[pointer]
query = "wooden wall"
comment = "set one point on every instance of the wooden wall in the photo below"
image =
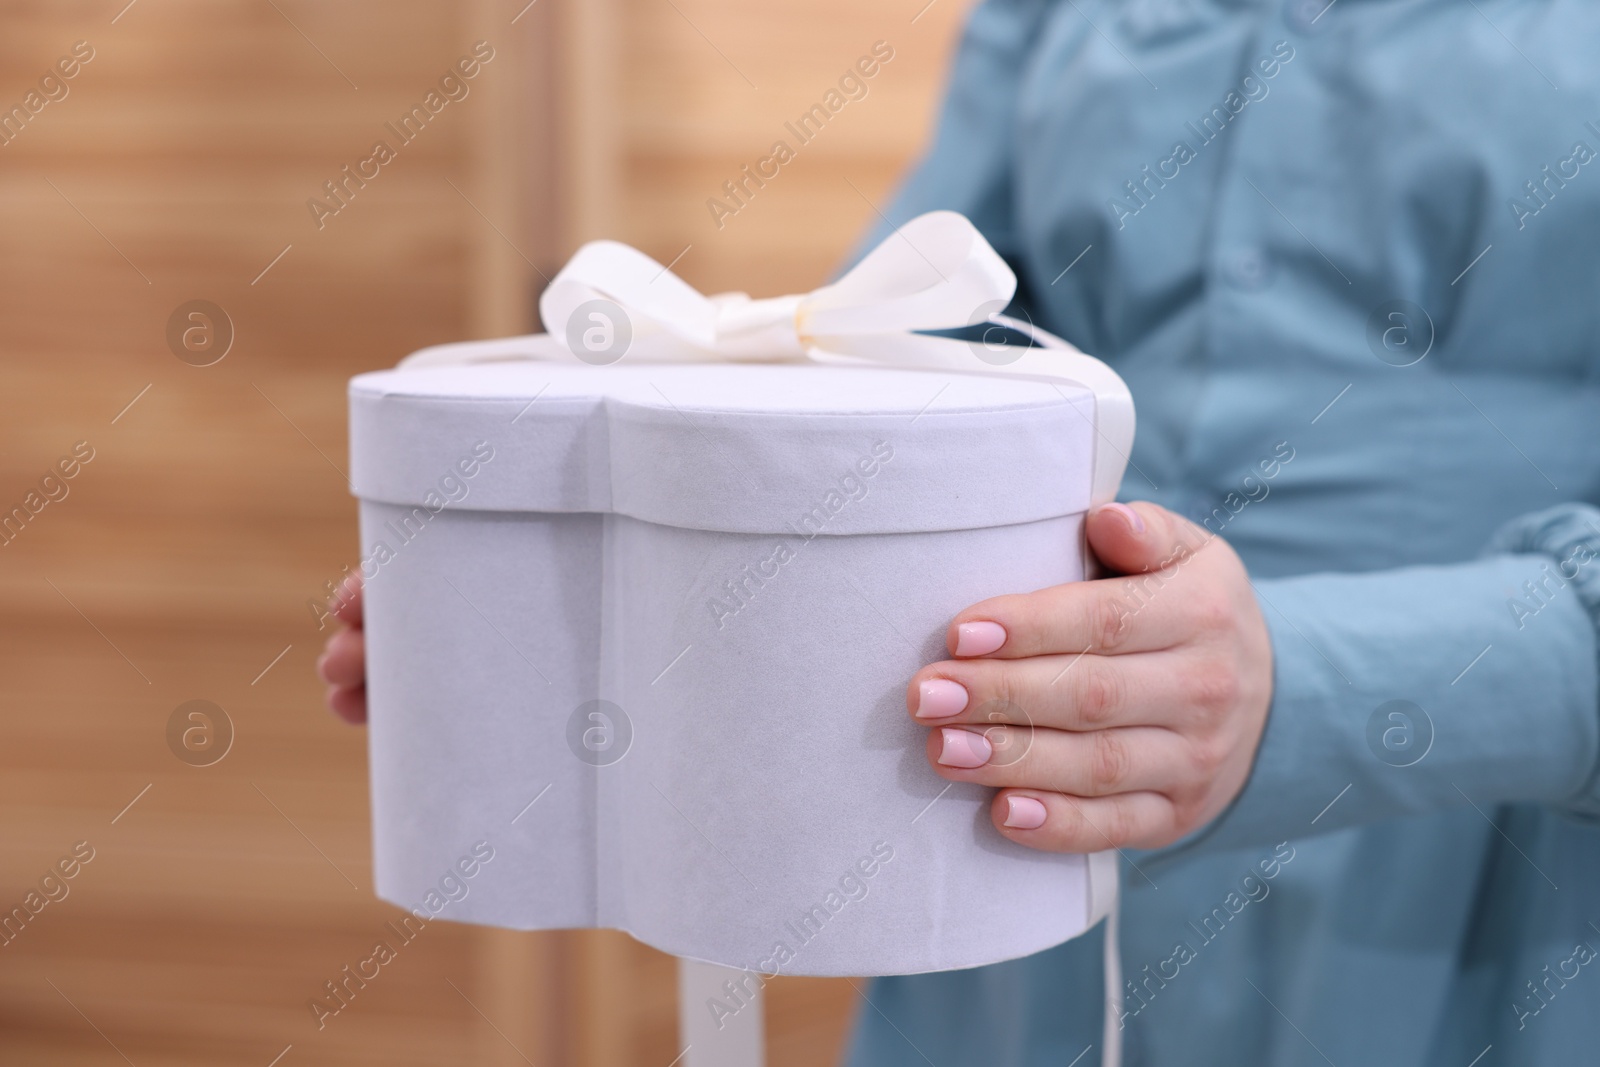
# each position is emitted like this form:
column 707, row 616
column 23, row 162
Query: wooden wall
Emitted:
column 178, row 566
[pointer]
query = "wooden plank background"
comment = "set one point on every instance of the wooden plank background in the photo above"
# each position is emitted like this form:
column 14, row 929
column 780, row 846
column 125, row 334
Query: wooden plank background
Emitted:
column 179, row 564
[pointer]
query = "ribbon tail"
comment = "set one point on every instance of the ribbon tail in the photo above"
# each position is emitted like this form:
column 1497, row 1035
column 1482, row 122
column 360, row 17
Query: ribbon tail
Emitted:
column 1052, row 360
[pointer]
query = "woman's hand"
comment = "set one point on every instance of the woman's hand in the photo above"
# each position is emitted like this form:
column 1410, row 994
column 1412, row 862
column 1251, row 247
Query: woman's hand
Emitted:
column 1119, row 712
column 344, row 662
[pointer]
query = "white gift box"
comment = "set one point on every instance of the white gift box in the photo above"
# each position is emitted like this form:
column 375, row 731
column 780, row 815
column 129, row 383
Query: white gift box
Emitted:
column 641, row 633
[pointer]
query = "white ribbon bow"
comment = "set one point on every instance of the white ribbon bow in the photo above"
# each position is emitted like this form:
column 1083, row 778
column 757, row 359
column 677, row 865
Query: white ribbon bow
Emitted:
column 934, row 273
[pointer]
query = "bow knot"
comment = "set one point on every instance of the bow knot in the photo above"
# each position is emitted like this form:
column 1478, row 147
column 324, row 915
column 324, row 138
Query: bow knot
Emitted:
column 760, row 329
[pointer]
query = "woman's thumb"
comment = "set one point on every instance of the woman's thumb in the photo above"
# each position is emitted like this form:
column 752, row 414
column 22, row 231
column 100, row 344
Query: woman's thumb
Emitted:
column 1140, row 537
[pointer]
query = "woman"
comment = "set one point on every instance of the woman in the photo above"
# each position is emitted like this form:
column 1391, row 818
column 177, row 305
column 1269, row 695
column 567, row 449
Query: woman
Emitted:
column 1344, row 255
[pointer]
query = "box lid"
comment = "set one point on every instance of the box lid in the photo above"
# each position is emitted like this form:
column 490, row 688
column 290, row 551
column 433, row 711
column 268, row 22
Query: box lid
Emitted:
column 741, row 448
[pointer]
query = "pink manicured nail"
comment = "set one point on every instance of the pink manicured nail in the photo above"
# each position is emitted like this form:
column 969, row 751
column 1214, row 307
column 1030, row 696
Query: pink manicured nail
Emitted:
column 979, row 638
column 964, row 748
column 1128, row 513
column 940, row 698
column 1024, row 813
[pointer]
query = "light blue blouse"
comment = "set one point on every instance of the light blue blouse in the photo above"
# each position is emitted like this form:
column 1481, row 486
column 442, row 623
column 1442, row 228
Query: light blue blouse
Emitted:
column 1356, row 245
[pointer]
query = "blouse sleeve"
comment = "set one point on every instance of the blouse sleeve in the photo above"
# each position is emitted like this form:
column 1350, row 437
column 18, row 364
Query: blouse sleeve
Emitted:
column 1411, row 691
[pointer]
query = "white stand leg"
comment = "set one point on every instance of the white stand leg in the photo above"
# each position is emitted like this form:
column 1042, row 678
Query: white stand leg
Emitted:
column 715, row 1038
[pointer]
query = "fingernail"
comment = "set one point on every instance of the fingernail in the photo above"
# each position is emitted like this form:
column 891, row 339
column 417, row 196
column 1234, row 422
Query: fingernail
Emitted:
column 940, row 698
column 964, row 748
column 1128, row 513
column 322, row 668
column 979, row 638
column 1024, row 813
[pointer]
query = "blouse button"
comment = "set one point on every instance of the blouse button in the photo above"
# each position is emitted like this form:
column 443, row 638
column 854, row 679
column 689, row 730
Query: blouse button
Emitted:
column 1249, row 269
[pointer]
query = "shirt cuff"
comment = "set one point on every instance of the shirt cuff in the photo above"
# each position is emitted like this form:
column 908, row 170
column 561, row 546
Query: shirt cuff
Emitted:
column 1411, row 691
